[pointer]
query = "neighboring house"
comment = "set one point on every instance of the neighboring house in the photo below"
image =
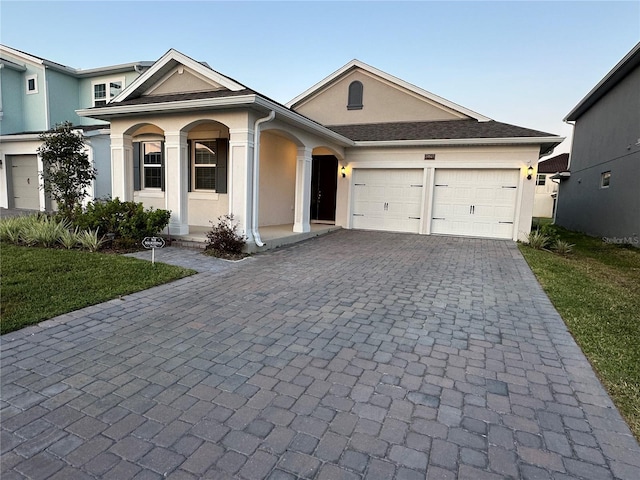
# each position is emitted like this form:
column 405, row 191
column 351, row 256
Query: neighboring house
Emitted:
column 35, row 95
column 544, row 203
column 361, row 149
column 601, row 196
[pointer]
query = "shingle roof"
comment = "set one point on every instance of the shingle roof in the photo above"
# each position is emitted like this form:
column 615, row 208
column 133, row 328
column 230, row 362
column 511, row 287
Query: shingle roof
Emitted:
column 179, row 97
column 448, row 129
column 556, row 164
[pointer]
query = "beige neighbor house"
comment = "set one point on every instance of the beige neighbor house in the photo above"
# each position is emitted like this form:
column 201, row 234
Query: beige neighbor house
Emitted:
column 547, row 184
column 361, row 149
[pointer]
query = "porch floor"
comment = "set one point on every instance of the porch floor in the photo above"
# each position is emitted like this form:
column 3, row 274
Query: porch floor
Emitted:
column 273, row 236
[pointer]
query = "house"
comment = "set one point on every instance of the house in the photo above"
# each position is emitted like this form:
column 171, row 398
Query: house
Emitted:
column 35, row 95
column 544, row 203
column 360, row 149
column 600, row 195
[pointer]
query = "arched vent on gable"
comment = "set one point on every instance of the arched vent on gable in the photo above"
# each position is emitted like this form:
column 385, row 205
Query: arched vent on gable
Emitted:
column 355, row 96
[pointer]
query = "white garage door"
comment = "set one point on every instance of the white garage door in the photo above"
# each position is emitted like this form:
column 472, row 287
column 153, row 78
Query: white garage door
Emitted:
column 479, row 203
column 387, row 199
column 24, row 182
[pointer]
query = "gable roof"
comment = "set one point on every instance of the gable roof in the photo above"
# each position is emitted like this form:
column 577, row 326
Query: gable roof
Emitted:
column 78, row 73
column 164, row 65
column 559, row 163
column 358, row 65
column 611, row 79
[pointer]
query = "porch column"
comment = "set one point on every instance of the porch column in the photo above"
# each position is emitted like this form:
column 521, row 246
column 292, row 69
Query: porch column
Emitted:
column 177, row 181
column 303, row 190
column 239, row 186
column 121, row 167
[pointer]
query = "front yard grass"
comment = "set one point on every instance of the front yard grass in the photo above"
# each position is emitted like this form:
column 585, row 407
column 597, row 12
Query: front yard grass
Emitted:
column 39, row 283
column 596, row 290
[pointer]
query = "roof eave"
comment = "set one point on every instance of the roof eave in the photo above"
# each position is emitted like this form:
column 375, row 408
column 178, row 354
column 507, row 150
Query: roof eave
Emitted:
column 611, row 79
column 448, row 142
column 107, row 112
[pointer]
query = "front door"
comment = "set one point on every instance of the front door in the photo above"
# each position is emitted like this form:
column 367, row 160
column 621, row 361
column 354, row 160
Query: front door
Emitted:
column 324, row 181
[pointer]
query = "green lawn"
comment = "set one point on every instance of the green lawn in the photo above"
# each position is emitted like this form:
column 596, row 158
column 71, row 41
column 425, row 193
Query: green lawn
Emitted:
column 596, row 290
column 39, row 283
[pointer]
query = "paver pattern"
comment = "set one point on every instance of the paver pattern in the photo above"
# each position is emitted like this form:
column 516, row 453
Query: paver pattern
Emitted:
column 351, row 356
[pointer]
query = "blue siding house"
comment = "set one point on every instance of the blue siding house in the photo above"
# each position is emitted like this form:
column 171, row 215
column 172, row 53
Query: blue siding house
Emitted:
column 35, row 95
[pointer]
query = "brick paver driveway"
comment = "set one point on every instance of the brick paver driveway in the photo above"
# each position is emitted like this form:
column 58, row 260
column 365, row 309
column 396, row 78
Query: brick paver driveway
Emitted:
column 355, row 355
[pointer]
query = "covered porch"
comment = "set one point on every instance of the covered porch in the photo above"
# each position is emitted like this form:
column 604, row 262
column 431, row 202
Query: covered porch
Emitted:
column 273, row 236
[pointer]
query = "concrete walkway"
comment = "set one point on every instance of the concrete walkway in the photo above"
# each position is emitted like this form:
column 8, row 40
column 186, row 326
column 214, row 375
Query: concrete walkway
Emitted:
column 354, row 355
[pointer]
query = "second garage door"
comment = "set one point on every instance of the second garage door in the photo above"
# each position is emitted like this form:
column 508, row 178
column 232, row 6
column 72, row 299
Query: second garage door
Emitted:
column 387, row 199
column 479, row 203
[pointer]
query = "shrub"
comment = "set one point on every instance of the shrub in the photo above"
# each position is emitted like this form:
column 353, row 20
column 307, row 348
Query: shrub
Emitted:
column 129, row 222
column 43, row 231
column 224, row 236
column 11, row 227
column 562, row 247
column 538, row 240
column 551, row 231
column 89, row 240
column 69, row 238
column 38, row 229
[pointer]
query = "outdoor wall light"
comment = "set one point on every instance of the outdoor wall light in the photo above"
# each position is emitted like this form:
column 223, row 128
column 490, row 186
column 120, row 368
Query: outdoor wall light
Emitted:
column 529, row 172
column 343, row 171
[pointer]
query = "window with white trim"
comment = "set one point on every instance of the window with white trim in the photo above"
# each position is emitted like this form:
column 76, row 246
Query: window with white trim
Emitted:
column 31, row 84
column 203, row 167
column 152, row 165
column 105, row 91
column 605, row 179
column 541, row 179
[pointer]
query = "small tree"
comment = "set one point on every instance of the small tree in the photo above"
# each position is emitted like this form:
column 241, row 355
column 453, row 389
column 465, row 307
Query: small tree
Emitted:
column 67, row 170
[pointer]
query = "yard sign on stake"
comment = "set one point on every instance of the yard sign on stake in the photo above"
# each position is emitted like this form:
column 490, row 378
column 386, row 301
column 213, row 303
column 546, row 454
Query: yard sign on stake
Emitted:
column 153, row 243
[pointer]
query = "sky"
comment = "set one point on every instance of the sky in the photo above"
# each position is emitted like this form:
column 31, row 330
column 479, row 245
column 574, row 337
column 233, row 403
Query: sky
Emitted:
column 527, row 63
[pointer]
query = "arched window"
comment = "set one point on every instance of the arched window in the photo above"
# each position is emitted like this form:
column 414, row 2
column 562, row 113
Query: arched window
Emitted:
column 355, row 96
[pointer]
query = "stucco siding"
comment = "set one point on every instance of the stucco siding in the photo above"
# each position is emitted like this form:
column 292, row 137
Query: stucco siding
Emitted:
column 12, row 93
column 63, row 98
column 34, row 109
column 277, row 180
column 205, row 208
column 382, row 102
column 101, row 155
column 184, row 82
column 606, row 138
column 603, row 212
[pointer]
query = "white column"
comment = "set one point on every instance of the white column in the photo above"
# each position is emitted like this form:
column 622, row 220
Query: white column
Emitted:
column 176, row 168
column 240, row 169
column 121, row 167
column 303, row 190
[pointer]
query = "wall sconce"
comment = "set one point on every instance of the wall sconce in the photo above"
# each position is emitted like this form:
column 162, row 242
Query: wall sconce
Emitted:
column 529, row 172
column 343, row 171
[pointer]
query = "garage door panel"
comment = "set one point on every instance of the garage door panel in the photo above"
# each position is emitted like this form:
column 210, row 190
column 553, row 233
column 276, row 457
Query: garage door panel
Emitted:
column 25, row 182
column 387, row 199
column 475, row 202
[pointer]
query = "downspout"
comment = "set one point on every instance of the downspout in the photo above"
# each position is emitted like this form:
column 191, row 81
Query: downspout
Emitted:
column 256, row 176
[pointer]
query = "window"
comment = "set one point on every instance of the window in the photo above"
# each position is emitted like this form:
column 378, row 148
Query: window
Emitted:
column 355, row 96
column 105, row 91
column 208, row 165
column 152, row 165
column 605, row 178
column 541, row 179
column 32, row 84
column 204, row 165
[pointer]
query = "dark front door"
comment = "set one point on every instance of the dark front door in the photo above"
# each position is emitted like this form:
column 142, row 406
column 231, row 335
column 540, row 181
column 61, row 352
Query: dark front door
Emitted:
column 324, row 181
